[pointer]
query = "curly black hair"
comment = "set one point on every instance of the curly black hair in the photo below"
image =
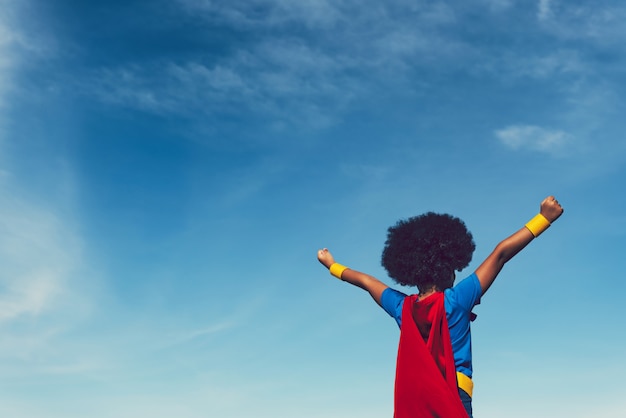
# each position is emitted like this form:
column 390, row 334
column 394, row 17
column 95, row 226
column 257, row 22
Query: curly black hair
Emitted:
column 425, row 250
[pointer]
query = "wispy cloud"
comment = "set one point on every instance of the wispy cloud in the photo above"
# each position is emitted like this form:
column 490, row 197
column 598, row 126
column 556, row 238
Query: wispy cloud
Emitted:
column 8, row 38
column 304, row 66
column 39, row 254
column 598, row 22
column 544, row 11
column 551, row 65
column 255, row 13
column 16, row 42
column 37, row 250
column 314, row 73
column 534, row 138
column 45, row 295
column 41, row 296
column 264, row 81
column 191, row 335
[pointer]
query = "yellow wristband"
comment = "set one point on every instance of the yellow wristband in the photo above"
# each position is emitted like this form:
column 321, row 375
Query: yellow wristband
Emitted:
column 337, row 269
column 538, row 224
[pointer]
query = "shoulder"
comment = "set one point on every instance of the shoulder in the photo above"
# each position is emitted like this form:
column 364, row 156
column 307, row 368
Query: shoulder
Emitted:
column 392, row 302
column 392, row 298
column 466, row 293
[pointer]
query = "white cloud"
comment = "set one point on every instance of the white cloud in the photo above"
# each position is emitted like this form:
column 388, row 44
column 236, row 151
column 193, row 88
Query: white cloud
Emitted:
column 307, row 79
column 534, row 138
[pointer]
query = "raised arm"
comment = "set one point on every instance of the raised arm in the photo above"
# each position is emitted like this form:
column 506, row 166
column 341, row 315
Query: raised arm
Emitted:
column 366, row 282
column 507, row 249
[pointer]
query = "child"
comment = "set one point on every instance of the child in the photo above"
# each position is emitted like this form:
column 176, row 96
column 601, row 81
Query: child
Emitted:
column 434, row 365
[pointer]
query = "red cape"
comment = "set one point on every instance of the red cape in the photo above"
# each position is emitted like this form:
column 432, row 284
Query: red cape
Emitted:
column 425, row 372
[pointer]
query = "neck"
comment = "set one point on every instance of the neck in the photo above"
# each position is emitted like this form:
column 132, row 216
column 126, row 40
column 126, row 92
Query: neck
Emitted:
column 427, row 293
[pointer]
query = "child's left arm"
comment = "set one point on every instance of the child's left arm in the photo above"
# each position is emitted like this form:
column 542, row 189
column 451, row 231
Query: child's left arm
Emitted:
column 366, row 282
column 490, row 268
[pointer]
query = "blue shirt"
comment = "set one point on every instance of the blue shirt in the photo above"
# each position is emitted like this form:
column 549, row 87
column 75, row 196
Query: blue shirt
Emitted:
column 458, row 301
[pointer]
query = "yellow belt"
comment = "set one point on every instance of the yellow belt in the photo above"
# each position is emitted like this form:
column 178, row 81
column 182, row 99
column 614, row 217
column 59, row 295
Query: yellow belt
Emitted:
column 465, row 383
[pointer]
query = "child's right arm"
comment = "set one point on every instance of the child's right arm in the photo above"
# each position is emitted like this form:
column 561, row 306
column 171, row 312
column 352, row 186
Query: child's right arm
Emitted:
column 507, row 249
column 366, row 282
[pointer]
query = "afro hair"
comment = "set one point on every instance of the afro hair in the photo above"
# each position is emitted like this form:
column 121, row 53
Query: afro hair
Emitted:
column 425, row 250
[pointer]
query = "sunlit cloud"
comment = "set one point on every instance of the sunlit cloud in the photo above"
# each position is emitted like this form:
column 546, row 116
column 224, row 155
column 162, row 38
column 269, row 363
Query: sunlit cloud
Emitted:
column 533, row 138
column 38, row 254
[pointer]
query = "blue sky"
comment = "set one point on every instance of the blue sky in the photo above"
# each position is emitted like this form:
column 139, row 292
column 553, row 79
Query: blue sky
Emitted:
column 168, row 170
